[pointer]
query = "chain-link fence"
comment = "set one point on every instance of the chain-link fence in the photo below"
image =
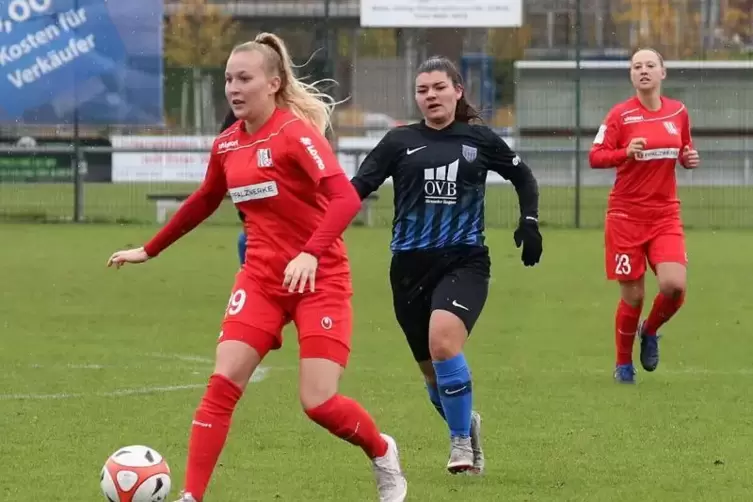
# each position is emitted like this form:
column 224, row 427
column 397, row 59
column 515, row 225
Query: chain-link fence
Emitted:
column 544, row 86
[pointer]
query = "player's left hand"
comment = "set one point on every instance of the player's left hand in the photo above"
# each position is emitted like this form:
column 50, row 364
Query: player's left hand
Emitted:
column 690, row 158
column 527, row 234
column 300, row 271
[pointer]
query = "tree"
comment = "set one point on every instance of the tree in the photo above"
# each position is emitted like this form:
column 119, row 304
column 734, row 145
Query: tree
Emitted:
column 673, row 28
column 736, row 24
column 198, row 36
column 666, row 25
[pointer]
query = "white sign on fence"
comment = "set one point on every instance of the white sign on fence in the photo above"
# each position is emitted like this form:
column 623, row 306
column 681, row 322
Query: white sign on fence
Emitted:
column 441, row 13
column 173, row 164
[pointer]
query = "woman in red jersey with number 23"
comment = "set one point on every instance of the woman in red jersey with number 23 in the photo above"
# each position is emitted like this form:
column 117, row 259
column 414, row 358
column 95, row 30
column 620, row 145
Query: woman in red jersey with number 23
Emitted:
column 296, row 200
column 644, row 138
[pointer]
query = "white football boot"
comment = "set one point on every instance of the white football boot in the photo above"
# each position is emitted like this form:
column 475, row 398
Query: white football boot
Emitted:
column 390, row 480
column 461, row 455
column 478, row 453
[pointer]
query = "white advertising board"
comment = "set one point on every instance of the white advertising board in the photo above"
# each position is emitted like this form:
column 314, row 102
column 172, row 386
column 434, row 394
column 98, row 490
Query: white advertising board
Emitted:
column 172, row 164
column 441, row 13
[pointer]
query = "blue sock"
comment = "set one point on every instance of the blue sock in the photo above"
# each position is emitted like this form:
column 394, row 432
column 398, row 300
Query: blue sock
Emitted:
column 242, row 247
column 433, row 391
column 455, row 391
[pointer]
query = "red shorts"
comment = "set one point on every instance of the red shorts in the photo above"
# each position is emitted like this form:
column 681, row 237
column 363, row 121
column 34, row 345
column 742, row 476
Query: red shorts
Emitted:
column 630, row 244
column 257, row 312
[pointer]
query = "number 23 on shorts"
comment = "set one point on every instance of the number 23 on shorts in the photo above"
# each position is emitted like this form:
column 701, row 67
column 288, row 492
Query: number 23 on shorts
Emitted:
column 625, row 266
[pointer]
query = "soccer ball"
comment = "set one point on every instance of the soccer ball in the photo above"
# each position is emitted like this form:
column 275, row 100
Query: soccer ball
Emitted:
column 135, row 474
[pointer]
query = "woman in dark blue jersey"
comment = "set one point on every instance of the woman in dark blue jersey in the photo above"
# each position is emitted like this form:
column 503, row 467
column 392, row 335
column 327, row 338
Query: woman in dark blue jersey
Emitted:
column 441, row 267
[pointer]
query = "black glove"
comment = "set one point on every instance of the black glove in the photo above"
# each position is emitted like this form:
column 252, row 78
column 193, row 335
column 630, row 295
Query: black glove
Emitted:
column 529, row 236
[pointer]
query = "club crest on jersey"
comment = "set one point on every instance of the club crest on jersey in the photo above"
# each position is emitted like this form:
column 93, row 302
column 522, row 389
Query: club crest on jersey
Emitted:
column 264, row 157
column 671, row 128
column 470, row 153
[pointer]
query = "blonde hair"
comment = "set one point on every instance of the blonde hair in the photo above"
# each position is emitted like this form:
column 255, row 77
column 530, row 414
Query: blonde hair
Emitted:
column 305, row 101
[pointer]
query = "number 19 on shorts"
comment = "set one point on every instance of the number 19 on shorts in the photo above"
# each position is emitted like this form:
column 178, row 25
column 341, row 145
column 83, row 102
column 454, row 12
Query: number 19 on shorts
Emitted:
column 236, row 302
column 622, row 264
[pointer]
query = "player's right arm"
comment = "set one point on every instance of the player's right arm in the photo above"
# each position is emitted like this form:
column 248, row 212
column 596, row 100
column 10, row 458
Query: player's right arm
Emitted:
column 198, row 207
column 605, row 152
column 376, row 167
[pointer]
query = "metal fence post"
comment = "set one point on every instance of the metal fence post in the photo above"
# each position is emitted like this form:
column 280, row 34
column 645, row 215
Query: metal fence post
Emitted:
column 578, row 125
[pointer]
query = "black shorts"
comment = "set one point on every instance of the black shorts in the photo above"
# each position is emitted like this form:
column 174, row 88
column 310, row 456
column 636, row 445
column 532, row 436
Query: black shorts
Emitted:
column 454, row 279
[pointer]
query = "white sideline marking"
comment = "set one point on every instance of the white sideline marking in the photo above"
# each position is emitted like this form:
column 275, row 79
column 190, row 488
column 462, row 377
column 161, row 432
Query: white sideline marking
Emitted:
column 259, row 375
column 183, row 357
column 608, row 371
column 113, row 393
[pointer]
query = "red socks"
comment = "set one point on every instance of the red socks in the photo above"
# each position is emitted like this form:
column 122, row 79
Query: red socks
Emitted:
column 626, row 324
column 627, row 318
column 663, row 309
column 346, row 419
column 340, row 415
column 211, row 424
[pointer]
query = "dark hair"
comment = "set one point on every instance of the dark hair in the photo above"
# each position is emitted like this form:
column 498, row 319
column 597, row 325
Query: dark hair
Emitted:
column 465, row 112
column 228, row 121
column 639, row 49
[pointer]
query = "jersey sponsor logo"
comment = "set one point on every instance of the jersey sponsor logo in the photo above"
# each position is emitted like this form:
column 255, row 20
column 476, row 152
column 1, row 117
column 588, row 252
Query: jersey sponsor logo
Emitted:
column 632, row 119
column 312, row 151
column 264, row 157
column 440, row 184
column 470, row 153
column 658, row 154
column 226, row 145
column 411, row 151
column 254, row 192
column 671, row 128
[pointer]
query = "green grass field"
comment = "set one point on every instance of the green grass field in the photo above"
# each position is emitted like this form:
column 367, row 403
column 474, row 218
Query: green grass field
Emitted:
column 94, row 359
column 703, row 207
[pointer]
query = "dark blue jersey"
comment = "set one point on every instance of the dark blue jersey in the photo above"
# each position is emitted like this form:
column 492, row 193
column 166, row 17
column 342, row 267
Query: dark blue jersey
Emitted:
column 439, row 179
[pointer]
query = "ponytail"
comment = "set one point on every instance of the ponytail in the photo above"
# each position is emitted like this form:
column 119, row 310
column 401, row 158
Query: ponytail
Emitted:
column 304, row 100
column 466, row 112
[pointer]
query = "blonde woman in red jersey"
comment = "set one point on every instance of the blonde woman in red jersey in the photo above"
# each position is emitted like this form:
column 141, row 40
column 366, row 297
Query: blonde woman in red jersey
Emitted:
column 644, row 138
column 296, row 201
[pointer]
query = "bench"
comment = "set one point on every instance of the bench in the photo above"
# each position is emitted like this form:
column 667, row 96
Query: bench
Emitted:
column 166, row 203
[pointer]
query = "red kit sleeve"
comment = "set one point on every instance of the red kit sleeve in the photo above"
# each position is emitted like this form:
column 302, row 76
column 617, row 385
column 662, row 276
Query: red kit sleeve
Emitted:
column 605, row 152
column 198, row 207
column 344, row 204
column 687, row 138
column 313, row 154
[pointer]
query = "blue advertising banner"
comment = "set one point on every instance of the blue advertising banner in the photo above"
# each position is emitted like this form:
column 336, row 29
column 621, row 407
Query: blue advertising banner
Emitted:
column 102, row 58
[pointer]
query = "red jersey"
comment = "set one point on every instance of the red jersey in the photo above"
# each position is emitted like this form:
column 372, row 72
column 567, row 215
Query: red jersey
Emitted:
column 646, row 186
column 292, row 192
column 272, row 177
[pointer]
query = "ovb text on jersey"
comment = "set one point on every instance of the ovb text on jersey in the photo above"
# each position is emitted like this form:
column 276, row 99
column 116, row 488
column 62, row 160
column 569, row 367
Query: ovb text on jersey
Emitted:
column 440, row 183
